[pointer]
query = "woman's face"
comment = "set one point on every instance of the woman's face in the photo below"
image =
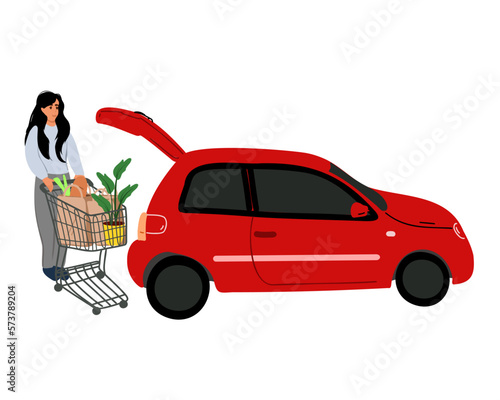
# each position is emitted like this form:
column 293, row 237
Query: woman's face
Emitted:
column 51, row 111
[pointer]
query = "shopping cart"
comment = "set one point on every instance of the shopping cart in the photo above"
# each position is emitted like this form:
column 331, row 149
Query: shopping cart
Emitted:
column 79, row 230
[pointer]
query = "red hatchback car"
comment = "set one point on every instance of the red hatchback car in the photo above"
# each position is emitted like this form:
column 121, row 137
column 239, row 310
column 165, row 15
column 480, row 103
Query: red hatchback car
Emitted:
column 254, row 220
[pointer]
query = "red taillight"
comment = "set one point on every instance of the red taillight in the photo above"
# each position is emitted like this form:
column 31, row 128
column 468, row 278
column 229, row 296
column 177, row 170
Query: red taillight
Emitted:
column 151, row 224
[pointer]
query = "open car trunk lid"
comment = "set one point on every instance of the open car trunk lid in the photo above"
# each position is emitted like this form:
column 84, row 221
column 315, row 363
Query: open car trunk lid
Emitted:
column 139, row 124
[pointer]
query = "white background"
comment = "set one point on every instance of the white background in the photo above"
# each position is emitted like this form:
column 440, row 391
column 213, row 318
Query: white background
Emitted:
column 223, row 71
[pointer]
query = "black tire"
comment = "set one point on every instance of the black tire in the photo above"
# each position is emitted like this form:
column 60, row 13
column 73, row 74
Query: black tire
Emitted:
column 178, row 288
column 422, row 279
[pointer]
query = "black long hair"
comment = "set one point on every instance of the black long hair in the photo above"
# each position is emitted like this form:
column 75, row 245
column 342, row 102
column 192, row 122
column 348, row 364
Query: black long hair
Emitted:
column 39, row 119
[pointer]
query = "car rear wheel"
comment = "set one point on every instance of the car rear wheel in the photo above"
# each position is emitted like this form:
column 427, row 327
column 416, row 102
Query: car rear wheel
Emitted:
column 422, row 280
column 178, row 290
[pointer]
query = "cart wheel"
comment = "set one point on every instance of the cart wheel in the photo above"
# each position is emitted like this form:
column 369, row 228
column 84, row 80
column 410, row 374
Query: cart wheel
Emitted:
column 123, row 304
column 57, row 287
column 100, row 274
column 96, row 311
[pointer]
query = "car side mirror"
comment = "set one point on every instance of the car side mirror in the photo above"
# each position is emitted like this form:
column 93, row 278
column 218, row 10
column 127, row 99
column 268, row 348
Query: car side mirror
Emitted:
column 359, row 210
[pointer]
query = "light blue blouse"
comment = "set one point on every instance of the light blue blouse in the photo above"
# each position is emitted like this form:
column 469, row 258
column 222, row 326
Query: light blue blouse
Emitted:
column 41, row 166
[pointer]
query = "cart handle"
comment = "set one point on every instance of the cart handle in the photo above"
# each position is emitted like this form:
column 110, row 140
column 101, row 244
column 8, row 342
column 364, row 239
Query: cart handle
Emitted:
column 45, row 189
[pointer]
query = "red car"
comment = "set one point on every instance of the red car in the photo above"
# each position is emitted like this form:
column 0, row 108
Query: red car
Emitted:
column 254, row 220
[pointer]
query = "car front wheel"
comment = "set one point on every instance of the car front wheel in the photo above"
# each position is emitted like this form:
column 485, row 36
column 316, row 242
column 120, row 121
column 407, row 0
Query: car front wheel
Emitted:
column 178, row 290
column 422, row 279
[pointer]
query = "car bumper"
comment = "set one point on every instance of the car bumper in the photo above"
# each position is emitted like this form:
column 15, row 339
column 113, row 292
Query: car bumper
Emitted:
column 137, row 261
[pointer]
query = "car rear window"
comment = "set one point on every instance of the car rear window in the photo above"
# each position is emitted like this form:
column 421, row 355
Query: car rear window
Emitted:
column 214, row 190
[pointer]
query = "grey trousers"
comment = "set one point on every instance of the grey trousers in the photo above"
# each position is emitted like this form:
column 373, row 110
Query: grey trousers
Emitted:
column 50, row 247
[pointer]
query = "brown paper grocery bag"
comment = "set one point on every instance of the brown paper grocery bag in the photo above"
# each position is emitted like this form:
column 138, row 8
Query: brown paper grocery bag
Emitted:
column 98, row 217
column 72, row 222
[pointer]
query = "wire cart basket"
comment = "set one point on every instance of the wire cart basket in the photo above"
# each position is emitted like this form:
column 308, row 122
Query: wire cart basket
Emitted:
column 84, row 231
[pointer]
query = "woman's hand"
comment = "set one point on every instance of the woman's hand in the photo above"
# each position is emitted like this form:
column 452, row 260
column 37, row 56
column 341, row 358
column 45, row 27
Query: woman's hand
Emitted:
column 49, row 183
column 81, row 182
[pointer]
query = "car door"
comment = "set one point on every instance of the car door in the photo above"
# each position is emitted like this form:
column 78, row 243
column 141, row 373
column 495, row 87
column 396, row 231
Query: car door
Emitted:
column 303, row 231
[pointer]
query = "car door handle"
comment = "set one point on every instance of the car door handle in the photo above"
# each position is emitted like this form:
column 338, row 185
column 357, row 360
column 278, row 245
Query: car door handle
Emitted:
column 265, row 234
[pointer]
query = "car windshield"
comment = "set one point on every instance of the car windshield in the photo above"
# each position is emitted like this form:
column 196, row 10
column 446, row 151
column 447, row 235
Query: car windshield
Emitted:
column 374, row 196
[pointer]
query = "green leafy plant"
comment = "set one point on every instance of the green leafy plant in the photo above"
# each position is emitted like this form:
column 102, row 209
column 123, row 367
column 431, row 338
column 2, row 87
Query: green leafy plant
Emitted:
column 66, row 189
column 113, row 207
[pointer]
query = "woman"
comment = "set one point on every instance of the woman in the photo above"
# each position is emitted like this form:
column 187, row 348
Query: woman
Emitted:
column 49, row 146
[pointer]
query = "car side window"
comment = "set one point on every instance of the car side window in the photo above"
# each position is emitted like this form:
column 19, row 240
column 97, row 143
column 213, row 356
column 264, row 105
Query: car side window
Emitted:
column 302, row 193
column 217, row 190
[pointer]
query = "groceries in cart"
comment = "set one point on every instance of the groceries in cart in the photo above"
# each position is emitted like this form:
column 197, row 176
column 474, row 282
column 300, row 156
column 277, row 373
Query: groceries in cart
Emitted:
column 92, row 219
